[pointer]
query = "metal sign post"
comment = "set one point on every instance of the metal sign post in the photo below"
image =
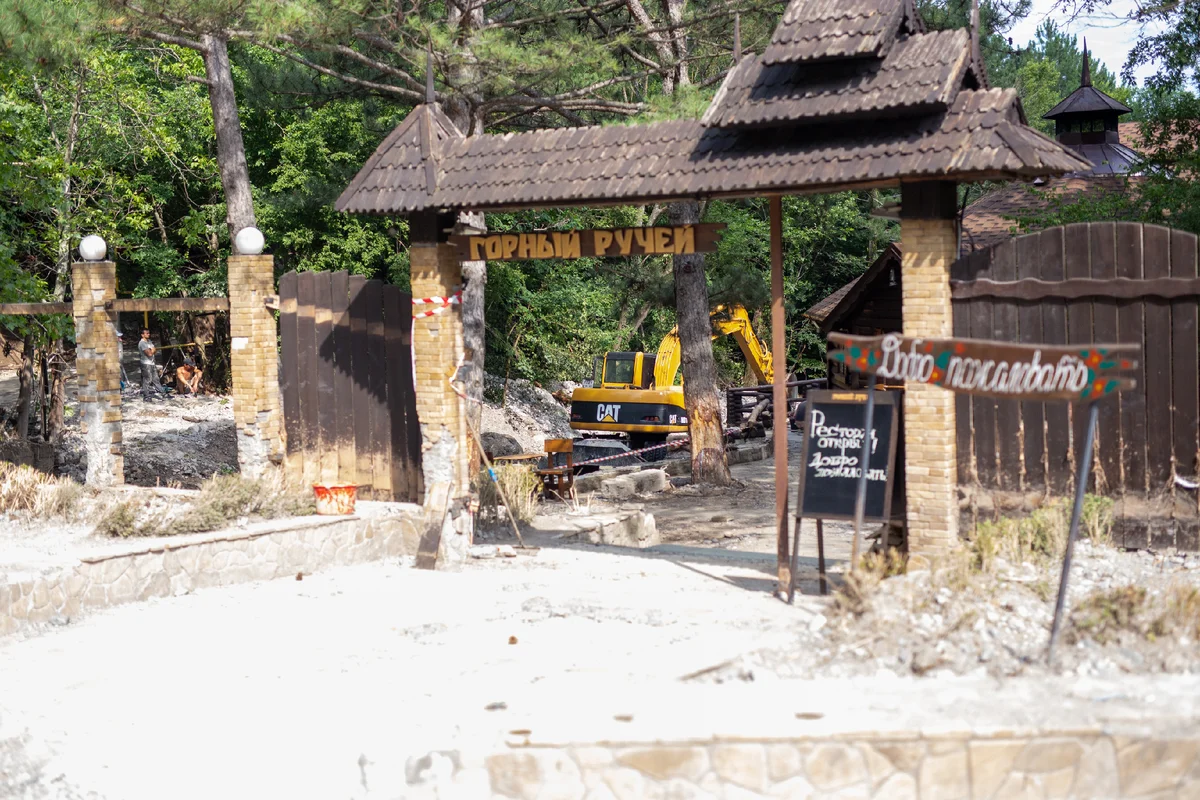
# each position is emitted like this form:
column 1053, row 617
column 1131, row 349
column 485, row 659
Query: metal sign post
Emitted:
column 864, row 462
column 1081, row 480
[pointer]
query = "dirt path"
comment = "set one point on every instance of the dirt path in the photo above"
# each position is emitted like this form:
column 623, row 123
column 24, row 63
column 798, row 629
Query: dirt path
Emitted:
column 742, row 517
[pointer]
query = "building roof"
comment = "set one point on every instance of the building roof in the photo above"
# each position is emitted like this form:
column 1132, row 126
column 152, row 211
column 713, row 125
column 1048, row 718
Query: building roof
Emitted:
column 819, row 30
column 1087, row 99
column 920, row 73
column 936, row 123
column 828, row 311
column 993, row 218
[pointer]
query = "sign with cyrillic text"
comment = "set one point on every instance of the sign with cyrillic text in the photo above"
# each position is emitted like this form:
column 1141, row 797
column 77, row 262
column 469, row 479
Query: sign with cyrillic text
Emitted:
column 992, row 369
column 663, row 240
column 833, row 441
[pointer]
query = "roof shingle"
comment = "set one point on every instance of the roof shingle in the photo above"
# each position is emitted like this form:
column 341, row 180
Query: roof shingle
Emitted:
column 920, row 73
column 816, row 30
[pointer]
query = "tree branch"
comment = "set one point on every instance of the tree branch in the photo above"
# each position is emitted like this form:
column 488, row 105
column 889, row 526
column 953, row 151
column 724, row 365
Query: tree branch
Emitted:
column 379, row 87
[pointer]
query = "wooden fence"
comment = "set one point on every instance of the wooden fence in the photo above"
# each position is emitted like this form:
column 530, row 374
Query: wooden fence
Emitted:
column 350, row 410
column 1078, row 284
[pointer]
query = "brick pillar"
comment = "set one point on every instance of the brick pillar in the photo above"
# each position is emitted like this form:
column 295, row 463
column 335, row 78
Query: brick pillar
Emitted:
column 256, row 411
column 97, row 362
column 929, row 240
column 437, row 352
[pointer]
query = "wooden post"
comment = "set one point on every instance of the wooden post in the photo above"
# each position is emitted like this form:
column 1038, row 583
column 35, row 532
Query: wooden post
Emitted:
column 779, row 420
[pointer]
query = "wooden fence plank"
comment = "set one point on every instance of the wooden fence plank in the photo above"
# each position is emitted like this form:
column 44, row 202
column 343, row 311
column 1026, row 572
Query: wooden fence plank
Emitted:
column 1185, row 378
column 962, row 402
column 289, row 376
column 20, row 309
column 343, row 378
column 983, row 409
column 397, row 315
column 177, row 304
column 361, row 403
column 1077, row 263
column 1054, row 332
column 326, row 399
column 1103, row 242
column 1029, row 319
column 1156, row 243
column 381, row 439
column 1076, row 288
column 306, row 348
column 1008, row 412
column 1131, row 329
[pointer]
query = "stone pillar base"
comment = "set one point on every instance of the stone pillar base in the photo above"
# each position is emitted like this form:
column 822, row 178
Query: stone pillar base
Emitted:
column 255, row 361
column 98, row 364
column 437, row 355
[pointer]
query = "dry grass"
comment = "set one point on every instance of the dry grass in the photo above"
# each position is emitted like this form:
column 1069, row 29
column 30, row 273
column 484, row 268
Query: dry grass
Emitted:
column 854, row 595
column 25, row 490
column 518, row 483
column 222, row 501
column 1104, row 615
column 1042, row 535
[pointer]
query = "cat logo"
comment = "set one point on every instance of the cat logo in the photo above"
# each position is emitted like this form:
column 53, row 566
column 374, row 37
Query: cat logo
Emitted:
column 674, row 419
column 607, row 413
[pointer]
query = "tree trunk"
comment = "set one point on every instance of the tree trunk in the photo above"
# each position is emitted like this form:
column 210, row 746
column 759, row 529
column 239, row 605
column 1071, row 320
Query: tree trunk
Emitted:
column 58, row 393
column 25, row 390
column 701, row 395
column 465, row 19
column 231, row 152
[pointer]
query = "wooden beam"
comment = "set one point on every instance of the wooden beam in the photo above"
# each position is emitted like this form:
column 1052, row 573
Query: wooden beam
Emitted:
column 1076, row 288
column 170, row 304
column 779, row 420
column 35, row 308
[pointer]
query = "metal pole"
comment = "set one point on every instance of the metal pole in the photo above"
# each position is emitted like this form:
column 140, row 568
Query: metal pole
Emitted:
column 779, row 422
column 864, row 462
column 1085, row 465
column 821, row 556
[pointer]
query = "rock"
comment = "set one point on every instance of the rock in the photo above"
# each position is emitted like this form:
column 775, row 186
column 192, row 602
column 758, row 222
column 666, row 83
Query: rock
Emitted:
column 506, row 551
column 621, row 487
column 497, row 444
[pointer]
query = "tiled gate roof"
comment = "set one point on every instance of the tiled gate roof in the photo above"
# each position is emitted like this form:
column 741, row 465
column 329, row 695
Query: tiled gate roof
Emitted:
column 886, row 103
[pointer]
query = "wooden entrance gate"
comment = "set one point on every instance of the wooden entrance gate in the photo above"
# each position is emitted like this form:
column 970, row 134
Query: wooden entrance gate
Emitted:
column 1078, row 284
column 350, row 410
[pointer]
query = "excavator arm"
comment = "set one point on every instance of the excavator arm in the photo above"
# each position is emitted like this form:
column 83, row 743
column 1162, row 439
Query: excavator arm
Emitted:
column 726, row 320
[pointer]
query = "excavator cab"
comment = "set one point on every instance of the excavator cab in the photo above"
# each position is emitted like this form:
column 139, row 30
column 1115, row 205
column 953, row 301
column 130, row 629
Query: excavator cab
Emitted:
column 624, row 370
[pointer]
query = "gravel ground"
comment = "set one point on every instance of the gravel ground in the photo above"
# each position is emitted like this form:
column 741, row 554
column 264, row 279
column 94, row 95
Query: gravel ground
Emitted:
column 176, row 442
column 942, row 623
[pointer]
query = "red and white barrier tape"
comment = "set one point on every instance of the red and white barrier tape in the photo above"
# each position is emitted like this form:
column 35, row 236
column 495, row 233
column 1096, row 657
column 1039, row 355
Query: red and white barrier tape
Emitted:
column 442, row 304
column 591, row 461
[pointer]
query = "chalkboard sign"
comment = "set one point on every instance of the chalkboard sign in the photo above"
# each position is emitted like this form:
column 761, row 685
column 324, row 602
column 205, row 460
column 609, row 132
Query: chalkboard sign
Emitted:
column 833, row 439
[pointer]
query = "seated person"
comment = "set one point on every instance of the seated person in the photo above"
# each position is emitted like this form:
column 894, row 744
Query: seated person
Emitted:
column 187, row 377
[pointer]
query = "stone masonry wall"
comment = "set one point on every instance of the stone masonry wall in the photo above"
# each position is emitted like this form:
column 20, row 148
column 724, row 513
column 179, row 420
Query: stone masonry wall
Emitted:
column 255, row 361
column 97, row 362
column 181, row 564
column 437, row 353
column 930, row 247
column 1040, row 764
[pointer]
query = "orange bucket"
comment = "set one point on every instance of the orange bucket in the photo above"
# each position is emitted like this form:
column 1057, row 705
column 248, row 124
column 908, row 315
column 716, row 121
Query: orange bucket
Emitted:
column 336, row 499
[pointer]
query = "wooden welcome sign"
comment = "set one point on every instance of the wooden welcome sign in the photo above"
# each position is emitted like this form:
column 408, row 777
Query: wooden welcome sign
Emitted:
column 673, row 240
column 992, row 369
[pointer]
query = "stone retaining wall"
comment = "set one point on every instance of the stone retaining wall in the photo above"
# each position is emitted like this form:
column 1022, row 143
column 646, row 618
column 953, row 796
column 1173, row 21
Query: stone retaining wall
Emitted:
column 180, row 564
column 1083, row 765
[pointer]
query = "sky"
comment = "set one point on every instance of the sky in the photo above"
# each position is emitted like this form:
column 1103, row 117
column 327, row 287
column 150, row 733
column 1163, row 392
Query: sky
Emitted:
column 1109, row 34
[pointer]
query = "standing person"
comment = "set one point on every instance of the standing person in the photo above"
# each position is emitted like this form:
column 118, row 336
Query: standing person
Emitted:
column 149, row 368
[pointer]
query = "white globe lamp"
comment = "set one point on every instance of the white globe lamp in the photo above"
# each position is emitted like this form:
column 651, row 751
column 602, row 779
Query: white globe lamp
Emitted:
column 93, row 248
column 249, row 241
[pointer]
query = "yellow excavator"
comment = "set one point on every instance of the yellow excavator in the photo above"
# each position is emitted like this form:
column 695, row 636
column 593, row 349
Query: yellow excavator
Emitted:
column 635, row 393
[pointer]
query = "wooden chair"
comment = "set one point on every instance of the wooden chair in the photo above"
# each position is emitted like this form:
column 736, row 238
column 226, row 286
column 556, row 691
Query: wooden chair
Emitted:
column 558, row 478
